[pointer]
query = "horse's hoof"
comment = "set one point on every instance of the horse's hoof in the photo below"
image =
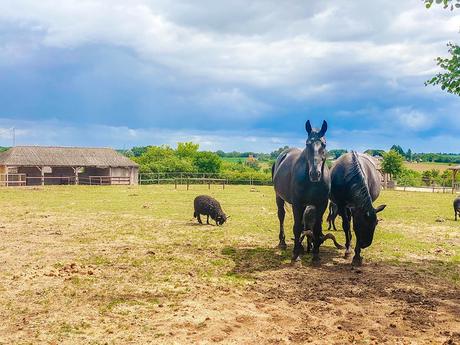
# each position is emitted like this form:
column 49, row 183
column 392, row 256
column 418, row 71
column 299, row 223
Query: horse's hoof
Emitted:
column 315, row 260
column 296, row 261
column 357, row 261
column 282, row 246
column 347, row 253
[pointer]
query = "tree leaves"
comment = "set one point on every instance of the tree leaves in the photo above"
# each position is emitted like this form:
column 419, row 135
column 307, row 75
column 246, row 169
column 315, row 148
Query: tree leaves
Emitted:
column 450, row 79
column 446, row 3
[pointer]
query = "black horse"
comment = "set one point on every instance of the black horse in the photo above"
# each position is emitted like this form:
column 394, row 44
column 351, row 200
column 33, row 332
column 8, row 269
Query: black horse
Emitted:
column 301, row 178
column 355, row 184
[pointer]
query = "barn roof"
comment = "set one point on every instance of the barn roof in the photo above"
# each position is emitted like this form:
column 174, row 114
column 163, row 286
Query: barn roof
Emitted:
column 64, row 156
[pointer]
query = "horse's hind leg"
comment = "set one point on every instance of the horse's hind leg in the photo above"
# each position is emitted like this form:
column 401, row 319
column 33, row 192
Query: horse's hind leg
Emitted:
column 344, row 213
column 329, row 219
column 281, row 214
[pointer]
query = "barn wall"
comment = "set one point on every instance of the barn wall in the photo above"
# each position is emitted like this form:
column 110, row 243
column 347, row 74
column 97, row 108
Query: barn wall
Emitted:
column 123, row 172
column 135, row 176
column 66, row 175
column 58, row 176
column 84, row 177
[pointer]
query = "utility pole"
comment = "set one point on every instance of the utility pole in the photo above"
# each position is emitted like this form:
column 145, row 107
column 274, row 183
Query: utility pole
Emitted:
column 14, row 137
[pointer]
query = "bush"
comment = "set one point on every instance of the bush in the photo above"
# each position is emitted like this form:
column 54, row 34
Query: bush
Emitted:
column 410, row 178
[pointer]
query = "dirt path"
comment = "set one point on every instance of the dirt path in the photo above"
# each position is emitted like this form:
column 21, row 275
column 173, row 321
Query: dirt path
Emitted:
column 333, row 304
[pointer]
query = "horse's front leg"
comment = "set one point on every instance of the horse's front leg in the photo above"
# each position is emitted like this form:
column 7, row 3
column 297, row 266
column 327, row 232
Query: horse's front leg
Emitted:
column 281, row 215
column 357, row 259
column 317, row 238
column 297, row 229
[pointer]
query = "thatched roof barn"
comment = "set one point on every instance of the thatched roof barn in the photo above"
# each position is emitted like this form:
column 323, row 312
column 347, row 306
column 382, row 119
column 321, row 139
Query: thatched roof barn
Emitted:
column 40, row 165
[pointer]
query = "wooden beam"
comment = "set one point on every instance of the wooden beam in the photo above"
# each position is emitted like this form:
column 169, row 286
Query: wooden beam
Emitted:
column 454, row 175
column 75, row 171
column 42, row 171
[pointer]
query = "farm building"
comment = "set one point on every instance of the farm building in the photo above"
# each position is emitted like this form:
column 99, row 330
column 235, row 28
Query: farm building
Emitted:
column 455, row 184
column 38, row 165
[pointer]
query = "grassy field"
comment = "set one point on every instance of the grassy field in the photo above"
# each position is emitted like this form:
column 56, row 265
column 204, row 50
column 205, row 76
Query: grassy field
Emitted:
column 118, row 265
column 427, row 166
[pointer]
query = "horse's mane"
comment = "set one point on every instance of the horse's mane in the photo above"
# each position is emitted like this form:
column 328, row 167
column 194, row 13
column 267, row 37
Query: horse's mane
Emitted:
column 355, row 178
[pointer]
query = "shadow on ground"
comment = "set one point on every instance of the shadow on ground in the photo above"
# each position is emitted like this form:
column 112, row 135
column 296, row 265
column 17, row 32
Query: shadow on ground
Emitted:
column 259, row 259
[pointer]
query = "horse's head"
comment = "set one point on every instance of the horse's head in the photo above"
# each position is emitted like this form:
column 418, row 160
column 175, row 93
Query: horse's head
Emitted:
column 364, row 223
column 316, row 151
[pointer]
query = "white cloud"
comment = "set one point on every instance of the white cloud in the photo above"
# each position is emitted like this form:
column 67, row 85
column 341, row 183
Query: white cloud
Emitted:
column 236, row 59
column 305, row 51
column 412, row 119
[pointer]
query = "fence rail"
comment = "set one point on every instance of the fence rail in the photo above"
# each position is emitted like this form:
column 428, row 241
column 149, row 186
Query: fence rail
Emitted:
column 196, row 178
column 24, row 180
column 428, row 189
column 12, row 180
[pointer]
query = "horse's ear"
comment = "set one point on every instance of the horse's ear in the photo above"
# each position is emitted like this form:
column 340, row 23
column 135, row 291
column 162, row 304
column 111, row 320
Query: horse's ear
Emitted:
column 380, row 208
column 323, row 129
column 308, row 127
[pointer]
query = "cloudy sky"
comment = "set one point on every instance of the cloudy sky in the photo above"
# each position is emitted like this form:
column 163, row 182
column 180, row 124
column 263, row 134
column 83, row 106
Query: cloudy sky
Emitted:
column 240, row 75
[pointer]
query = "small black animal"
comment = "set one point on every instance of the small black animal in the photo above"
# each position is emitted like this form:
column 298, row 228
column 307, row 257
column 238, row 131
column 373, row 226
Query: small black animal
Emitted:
column 333, row 213
column 308, row 221
column 457, row 207
column 209, row 207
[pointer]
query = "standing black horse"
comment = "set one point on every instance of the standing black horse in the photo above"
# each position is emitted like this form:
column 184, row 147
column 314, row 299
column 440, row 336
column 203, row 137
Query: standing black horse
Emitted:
column 355, row 184
column 301, row 178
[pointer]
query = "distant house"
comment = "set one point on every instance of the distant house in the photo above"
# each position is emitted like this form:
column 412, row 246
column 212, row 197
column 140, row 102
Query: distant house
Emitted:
column 39, row 165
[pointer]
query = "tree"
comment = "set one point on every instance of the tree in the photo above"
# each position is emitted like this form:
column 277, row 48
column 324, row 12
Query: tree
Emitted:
column 398, row 149
column 276, row 153
column 373, row 152
column 334, row 154
column 409, row 155
column 207, row 162
column 409, row 178
column 139, row 150
column 450, row 79
column 187, row 149
column 392, row 163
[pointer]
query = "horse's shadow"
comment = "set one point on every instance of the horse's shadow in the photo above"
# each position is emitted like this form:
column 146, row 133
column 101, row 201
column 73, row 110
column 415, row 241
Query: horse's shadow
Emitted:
column 258, row 259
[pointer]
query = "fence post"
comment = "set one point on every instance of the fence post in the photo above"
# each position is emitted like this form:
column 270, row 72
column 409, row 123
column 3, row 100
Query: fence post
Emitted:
column 187, row 183
column 175, row 183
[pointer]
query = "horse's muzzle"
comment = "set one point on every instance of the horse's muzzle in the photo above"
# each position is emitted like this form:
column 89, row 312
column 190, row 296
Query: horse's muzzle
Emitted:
column 315, row 176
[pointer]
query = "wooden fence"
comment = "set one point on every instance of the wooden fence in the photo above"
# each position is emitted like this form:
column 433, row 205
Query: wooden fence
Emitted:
column 24, row 180
column 13, row 180
column 195, row 178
